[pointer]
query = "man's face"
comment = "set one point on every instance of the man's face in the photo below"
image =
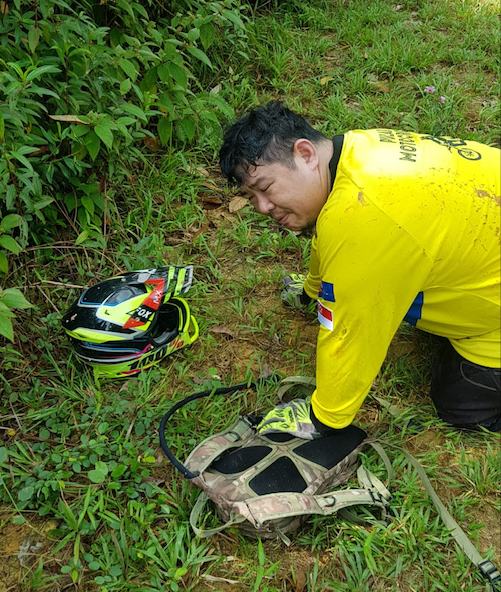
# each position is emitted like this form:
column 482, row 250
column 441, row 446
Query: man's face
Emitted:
column 291, row 196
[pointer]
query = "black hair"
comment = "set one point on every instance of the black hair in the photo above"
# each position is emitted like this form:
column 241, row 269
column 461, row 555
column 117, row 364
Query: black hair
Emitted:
column 264, row 135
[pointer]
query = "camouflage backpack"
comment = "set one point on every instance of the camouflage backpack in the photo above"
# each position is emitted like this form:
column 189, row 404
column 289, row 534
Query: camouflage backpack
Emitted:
column 267, row 486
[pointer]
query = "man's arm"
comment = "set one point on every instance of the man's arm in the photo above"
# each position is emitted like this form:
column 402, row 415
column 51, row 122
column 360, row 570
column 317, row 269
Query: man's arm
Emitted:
column 313, row 278
column 370, row 271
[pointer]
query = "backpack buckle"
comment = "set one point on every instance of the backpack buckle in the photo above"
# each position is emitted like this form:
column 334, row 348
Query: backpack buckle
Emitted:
column 490, row 572
column 380, row 500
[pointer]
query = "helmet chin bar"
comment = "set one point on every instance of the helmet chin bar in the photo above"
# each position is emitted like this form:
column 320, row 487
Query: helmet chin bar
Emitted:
column 175, row 316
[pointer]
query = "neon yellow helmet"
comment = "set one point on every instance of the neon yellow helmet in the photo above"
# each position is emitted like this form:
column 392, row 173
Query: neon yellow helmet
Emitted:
column 132, row 321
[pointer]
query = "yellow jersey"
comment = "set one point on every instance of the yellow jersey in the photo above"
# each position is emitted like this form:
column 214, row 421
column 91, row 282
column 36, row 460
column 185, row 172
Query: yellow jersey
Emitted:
column 410, row 231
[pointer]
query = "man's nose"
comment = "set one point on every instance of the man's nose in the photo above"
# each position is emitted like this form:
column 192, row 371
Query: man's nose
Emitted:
column 263, row 205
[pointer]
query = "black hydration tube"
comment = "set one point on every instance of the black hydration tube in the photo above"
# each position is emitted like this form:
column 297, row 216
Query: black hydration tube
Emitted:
column 224, row 390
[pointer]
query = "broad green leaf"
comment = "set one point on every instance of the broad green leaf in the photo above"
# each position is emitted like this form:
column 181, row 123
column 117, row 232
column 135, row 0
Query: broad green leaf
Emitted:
column 88, row 204
column 118, row 471
column 207, row 35
column 134, row 110
column 22, row 160
column 93, row 144
column 105, row 134
column 80, row 131
column 166, row 102
column 2, row 128
column 14, row 298
column 6, row 328
column 38, row 72
column 233, row 17
column 80, row 151
column 200, row 55
column 84, row 235
column 4, row 309
column 149, row 81
column 170, row 51
column 41, row 91
column 10, row 196
column 126, row 7
column 26, row 149
column 193, row 34
column 11, row 221
column 43, row 203
column 142, row 11
column 4, row 263
column 26, row 493
column 179, row 75
column 107, row 123
column 7, row 242
column 126, row 120
column 189, row 127
column 125, row 86
column 102, row 466
column 129, row 68
column 97, row 476
column 163, row 72
column 33, row 38
column 164, row 129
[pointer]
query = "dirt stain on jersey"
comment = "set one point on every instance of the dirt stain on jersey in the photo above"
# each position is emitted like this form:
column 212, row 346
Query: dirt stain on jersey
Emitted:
column 482, row 193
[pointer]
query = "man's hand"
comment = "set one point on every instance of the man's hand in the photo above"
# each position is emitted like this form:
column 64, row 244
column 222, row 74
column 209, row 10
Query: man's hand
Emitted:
column 293, row 293
column 290, row 418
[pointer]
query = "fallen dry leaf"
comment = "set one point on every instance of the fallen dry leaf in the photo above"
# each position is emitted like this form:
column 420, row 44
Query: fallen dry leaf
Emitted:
column 298, row 581
column 152, row 143
column 197, row 170
column 210, row 578
column 237, row 204
column 68, row 119
column 380, row 85
column 202, row 171
column 209, row 185
column 222, row 331
column 218, row 216
column 194, row 232
column 211, row 203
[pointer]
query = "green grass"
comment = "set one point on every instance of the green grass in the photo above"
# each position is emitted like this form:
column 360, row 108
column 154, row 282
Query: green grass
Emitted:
column 80, row 465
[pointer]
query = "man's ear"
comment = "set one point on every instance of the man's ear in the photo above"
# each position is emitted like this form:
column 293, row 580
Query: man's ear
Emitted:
column 307, row 151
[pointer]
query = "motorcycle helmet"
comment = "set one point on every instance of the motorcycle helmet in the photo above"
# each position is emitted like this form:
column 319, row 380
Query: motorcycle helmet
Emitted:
column 132, row 321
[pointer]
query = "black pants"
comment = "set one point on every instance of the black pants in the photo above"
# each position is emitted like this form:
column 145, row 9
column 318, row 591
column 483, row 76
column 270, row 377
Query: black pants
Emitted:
column 465, row 394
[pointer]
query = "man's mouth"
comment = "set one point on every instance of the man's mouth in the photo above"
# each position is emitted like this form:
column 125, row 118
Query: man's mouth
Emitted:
column 281, row 219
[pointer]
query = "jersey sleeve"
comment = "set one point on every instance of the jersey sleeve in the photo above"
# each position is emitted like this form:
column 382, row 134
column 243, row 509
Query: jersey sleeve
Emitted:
column 312, row 282
column 370, row 271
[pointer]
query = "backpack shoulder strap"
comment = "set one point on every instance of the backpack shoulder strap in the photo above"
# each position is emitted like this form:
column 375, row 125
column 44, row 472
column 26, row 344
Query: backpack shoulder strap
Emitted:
column 197, row 511
column 486, row 567
column 304, row 384
column 274, row 506
column 213, row 446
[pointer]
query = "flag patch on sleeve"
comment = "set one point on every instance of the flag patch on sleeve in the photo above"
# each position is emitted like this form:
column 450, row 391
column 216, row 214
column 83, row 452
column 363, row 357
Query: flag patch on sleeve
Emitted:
column 327, row 291
column 325, row 316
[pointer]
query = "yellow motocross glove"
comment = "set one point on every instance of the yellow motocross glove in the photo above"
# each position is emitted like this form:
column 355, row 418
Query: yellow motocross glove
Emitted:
column 293, row 293
column 291, row 418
